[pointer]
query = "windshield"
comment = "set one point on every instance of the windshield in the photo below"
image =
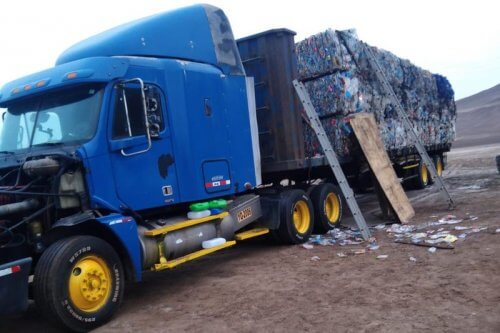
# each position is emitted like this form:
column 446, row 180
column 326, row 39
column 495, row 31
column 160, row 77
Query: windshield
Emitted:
column 67, row 116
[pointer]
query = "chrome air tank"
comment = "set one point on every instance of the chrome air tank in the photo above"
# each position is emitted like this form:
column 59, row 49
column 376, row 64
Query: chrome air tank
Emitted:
column 183, row 241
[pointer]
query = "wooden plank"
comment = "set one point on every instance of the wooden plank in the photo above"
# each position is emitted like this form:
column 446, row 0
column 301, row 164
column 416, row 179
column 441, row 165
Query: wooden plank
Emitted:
column 443, row 245
column 367, row 132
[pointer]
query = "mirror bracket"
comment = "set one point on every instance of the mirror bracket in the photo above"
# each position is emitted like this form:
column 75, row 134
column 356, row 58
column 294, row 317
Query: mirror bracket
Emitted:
column 144, row 107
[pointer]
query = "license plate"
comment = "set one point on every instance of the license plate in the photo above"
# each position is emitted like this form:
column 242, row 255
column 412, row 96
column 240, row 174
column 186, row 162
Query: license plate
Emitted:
column 244, row 214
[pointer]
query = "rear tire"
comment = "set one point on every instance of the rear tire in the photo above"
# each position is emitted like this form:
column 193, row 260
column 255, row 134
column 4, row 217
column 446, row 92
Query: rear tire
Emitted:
column 296, row 217
column 439, row 165
column 328, row 207
column 422, row 179
column 79, row 283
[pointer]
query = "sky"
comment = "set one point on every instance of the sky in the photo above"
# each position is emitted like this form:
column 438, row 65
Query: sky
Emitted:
column 459, row 39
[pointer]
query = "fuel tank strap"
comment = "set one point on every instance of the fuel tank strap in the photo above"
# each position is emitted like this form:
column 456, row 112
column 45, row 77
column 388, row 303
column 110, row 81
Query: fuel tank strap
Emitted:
column 183, row 225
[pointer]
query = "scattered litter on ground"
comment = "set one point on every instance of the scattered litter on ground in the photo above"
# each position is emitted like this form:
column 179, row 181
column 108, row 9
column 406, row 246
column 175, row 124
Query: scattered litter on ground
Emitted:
column 497, row 231
column 315, row 258
column 470, row 187
column 448, row 219
column 320, row 240
column 419, row 235
column 382, row 256
column 440, row 234
column 400, row 229
column 349, row 242
column 424, row 234
column 413, row 259
column 459, row 227
column 337, row 236
column 450, row 238
column 441, row 238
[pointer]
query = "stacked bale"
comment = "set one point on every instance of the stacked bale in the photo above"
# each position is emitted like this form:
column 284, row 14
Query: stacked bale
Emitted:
column 341, row 84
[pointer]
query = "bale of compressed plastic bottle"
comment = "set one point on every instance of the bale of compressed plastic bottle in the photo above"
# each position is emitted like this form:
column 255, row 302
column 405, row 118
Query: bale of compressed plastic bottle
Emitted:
column 341, row 83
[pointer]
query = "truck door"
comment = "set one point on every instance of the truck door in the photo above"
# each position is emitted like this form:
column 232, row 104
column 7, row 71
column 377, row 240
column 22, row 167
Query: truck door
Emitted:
column 140, row 147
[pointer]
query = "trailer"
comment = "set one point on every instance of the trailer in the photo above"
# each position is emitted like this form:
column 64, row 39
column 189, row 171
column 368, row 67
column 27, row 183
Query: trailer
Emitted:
column 271, row 58
column 145, row 147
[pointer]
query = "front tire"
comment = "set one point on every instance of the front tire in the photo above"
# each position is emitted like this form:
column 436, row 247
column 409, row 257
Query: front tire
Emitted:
column 79, row 283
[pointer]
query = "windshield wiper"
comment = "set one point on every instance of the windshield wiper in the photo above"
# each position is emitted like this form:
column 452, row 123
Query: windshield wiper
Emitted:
column 48, row 144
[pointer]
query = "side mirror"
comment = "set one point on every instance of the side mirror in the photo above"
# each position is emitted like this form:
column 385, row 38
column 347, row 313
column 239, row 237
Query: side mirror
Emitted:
column 153, row 119
column 144, row 112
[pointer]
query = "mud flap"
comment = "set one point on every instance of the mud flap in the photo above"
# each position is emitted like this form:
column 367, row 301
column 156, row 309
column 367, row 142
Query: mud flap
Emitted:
column 271, row 216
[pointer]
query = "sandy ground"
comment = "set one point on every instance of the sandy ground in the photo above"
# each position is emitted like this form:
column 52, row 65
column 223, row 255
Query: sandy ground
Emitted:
column 258, row 286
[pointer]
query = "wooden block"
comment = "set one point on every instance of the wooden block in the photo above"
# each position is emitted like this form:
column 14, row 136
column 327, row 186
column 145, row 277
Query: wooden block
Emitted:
column 367, row 132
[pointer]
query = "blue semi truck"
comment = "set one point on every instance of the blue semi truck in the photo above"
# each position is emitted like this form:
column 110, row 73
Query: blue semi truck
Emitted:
column 145, row 147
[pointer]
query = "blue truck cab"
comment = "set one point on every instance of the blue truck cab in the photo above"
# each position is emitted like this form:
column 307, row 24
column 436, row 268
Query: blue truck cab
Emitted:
column 104, row 155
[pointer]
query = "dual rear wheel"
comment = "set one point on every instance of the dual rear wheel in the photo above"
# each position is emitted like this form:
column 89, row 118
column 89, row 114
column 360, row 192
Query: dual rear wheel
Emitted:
column 423, row 177
column 328, row 207
column 301, row 214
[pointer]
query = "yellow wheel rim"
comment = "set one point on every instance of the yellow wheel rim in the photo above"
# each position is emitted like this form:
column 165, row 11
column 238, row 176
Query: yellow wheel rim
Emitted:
column 439, row 167
column 332, row 207
column 423, row 174
column 90, row 284
column 301, row 216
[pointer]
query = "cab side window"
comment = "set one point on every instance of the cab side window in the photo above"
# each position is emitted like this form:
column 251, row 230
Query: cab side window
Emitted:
column 134, row 124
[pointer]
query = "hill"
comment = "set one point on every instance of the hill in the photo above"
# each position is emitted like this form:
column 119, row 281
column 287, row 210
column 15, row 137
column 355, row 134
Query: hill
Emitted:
column 478, row 120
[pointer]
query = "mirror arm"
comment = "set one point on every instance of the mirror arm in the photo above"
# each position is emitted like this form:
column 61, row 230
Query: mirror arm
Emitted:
column 125, row 106
column 148, row 134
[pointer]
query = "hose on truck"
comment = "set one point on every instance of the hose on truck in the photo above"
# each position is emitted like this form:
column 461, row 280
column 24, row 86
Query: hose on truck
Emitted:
column 9, row 238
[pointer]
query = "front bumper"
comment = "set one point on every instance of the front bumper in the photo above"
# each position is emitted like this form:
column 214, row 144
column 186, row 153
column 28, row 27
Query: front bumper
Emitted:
column 14, row 286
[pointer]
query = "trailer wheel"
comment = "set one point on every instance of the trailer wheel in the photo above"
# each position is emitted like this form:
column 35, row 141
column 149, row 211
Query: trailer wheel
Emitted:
column 79, row 283
column 296, row 221
column 422, row 179
column 328, row 206
column 438, row 163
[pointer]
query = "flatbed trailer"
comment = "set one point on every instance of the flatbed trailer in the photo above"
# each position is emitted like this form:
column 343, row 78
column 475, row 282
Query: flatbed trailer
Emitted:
column 269, row 57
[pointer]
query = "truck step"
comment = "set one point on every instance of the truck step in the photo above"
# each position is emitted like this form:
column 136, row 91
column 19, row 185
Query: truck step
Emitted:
column 251, row 233
column 182, row 225
column 188, row 257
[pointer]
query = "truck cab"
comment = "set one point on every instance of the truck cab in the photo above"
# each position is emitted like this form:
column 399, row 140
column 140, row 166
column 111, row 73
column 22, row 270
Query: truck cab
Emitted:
column 129, row 128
